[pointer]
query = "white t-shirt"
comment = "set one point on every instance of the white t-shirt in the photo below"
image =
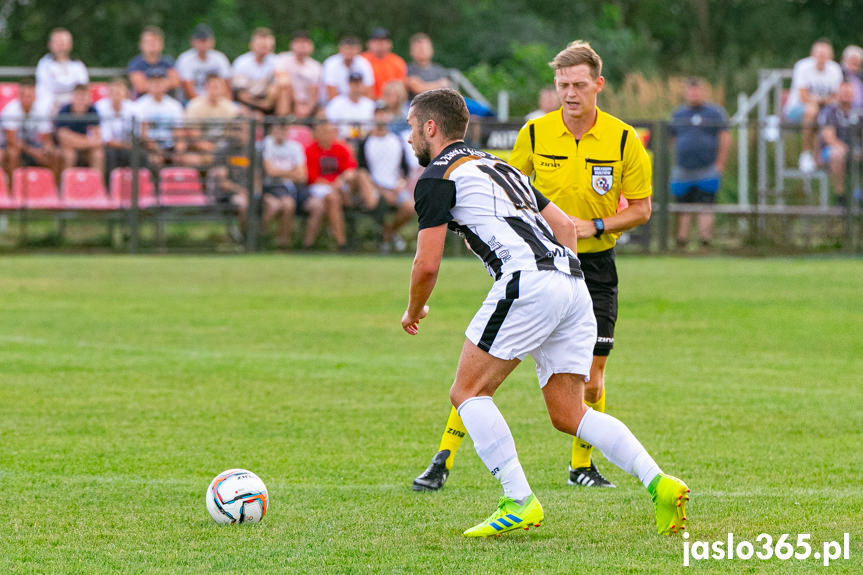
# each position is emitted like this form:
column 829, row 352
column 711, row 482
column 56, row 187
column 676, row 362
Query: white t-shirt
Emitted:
column 385, row 158
column 55, row 80
column 254, row 76
column 28, row 126
column 285, row 156
column 335, row 73
column 191, row 67
column 820, row 83
column 304, row 76
column 353, row 118
column 161, row 117
column 115, row 126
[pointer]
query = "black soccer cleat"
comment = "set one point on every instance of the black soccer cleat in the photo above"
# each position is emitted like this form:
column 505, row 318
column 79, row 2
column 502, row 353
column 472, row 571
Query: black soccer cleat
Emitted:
column 588, row 477
column 435, row 474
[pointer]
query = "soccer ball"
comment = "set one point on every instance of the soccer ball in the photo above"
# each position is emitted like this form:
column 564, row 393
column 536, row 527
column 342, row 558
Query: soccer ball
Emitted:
column 237, row 496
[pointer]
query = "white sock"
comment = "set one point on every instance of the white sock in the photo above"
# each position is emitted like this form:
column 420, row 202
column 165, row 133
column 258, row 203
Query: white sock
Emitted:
column 494, row 445
column 617, row 444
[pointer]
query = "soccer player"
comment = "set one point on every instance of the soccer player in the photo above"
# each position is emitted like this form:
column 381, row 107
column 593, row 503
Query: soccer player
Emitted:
column 538, row 305
column 584, row 160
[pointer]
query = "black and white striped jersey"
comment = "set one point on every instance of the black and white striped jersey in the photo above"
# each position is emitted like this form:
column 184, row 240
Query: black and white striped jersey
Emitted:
column 495, row 208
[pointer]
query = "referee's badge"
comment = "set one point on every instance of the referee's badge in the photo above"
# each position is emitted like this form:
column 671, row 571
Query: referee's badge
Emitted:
column 602, row 179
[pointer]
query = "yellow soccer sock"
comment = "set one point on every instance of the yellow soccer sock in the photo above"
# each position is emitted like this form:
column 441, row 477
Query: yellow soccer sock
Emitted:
column 581, row 450
column 452, row 437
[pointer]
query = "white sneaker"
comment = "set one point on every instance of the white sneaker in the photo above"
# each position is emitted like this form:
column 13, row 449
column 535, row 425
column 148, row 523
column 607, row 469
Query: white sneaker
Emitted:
column 806, row 163
column 399, row 244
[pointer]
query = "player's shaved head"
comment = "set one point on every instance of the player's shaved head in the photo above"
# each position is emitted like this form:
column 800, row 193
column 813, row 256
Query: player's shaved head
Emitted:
column 446, row 107
column 577, row 53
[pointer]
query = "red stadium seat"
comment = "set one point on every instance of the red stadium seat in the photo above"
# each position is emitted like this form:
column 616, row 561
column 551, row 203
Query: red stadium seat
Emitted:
column 8, row 92
column 7, row 202
column 181, row 187
column 121, row 187
column 83, row 190
column 98, row 90
column 35, row 189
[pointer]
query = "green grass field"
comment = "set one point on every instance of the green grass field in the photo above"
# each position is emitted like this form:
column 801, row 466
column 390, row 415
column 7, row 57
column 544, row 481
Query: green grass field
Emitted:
column 127, row 383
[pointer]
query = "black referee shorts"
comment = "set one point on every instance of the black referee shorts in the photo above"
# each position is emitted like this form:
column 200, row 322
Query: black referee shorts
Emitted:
column 600, row 275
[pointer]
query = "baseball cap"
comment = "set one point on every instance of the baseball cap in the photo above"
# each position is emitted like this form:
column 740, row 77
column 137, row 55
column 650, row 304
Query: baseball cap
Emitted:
column 202, row 32
column 157, row 72
column 380, row 34
column 355, row 77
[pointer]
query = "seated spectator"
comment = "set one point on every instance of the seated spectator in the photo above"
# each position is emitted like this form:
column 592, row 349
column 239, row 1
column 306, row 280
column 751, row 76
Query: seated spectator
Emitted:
column 839, row 125
column 285, row 189
column 852, row 62
column 57, row 73
column 386, row 65
column 78, row 132
column 395, row 99
column 383, row 160
column 337, row 68
column 255, row 83
column 814, row 83
column 116, row 117
column 151, row 44
column 160, row 119
column 333, row 177
column 28, row 130
column 303, row 73
column 423, row 74
column 352, row 112
column 196, row 64
column 548, row 102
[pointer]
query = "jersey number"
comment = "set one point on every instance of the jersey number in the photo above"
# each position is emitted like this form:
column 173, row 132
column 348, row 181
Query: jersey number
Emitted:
column 511, row 181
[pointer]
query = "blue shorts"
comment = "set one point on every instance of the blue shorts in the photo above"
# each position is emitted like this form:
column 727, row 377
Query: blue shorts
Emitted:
column 694, row 186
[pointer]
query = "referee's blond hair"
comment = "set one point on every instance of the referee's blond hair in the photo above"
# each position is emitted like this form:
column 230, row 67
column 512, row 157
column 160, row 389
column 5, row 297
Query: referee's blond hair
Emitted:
column 575, row 54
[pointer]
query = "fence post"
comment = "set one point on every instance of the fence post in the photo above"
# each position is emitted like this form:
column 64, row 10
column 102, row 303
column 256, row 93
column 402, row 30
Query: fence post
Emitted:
column 252, row 213
column 135, row 162
column 852, row 203
column 661, row 153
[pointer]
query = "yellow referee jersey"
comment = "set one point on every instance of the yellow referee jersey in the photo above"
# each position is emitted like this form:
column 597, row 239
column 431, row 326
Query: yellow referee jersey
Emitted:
column 584, row 178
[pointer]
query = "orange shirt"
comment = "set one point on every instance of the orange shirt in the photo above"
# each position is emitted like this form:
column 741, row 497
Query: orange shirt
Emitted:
column 390, row 67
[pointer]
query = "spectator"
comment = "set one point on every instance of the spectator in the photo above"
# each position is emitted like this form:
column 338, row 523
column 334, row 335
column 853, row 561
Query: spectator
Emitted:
column 339, row 66
column 852, row 62
column 700, row 134
column 303, row 72
column 255, row 82
column 151, row 44
column 352, row 112
column 28, row 130
column 395, row 99
column 814, row 83
column 548, row 102
column 78, row 132
column 423, row 74
column 386, row 65
column 56, row 73
column 160, row 118
column 116, row 115
column 212, row 102
column 839, row 125
column 201, row 60
column 285, row 189
column 383, row 161
column 333, row 176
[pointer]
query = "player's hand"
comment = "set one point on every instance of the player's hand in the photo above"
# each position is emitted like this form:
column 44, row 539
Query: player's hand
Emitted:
column 584, row 228
column 411, row 324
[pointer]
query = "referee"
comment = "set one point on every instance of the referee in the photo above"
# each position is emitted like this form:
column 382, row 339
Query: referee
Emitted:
column 584, row 161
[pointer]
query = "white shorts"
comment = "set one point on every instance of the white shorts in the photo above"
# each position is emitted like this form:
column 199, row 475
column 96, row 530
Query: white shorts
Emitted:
column 545, row 314
column 320, row 190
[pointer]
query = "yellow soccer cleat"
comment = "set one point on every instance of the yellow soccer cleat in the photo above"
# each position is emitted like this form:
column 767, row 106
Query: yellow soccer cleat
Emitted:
column 669, row 496
column 509, row 515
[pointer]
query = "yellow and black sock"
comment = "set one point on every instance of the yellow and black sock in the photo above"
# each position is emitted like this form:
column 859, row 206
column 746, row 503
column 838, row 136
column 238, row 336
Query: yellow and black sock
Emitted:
column 452, row 437
column 581, row 450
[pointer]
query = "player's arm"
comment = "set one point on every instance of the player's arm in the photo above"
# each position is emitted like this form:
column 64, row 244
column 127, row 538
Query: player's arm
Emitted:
column 430, row 244
column 561, row 225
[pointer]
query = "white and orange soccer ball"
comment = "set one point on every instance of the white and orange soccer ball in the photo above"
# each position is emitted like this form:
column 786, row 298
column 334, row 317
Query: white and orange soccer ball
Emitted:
column 237, row 496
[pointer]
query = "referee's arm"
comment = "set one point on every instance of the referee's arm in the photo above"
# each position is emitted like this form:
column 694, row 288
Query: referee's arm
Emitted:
column 521, row 157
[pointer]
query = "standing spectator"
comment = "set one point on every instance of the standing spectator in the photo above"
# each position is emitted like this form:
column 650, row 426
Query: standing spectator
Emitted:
column 337, row 68
column 386, row 65
column 852, row 62
column 303, row 72
column 839, row 125
column 255, row 82
column 285, row 189
column 548, row 102
column 814, row 83
column 383, row 161
column 352, row 112
column 700, row 134
column 160, row 117
column 151, row 44
column 28, row 130
column 423, row 74
column 57, row 73
column 201, row 60
column 78, row 132
column 117, row 115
